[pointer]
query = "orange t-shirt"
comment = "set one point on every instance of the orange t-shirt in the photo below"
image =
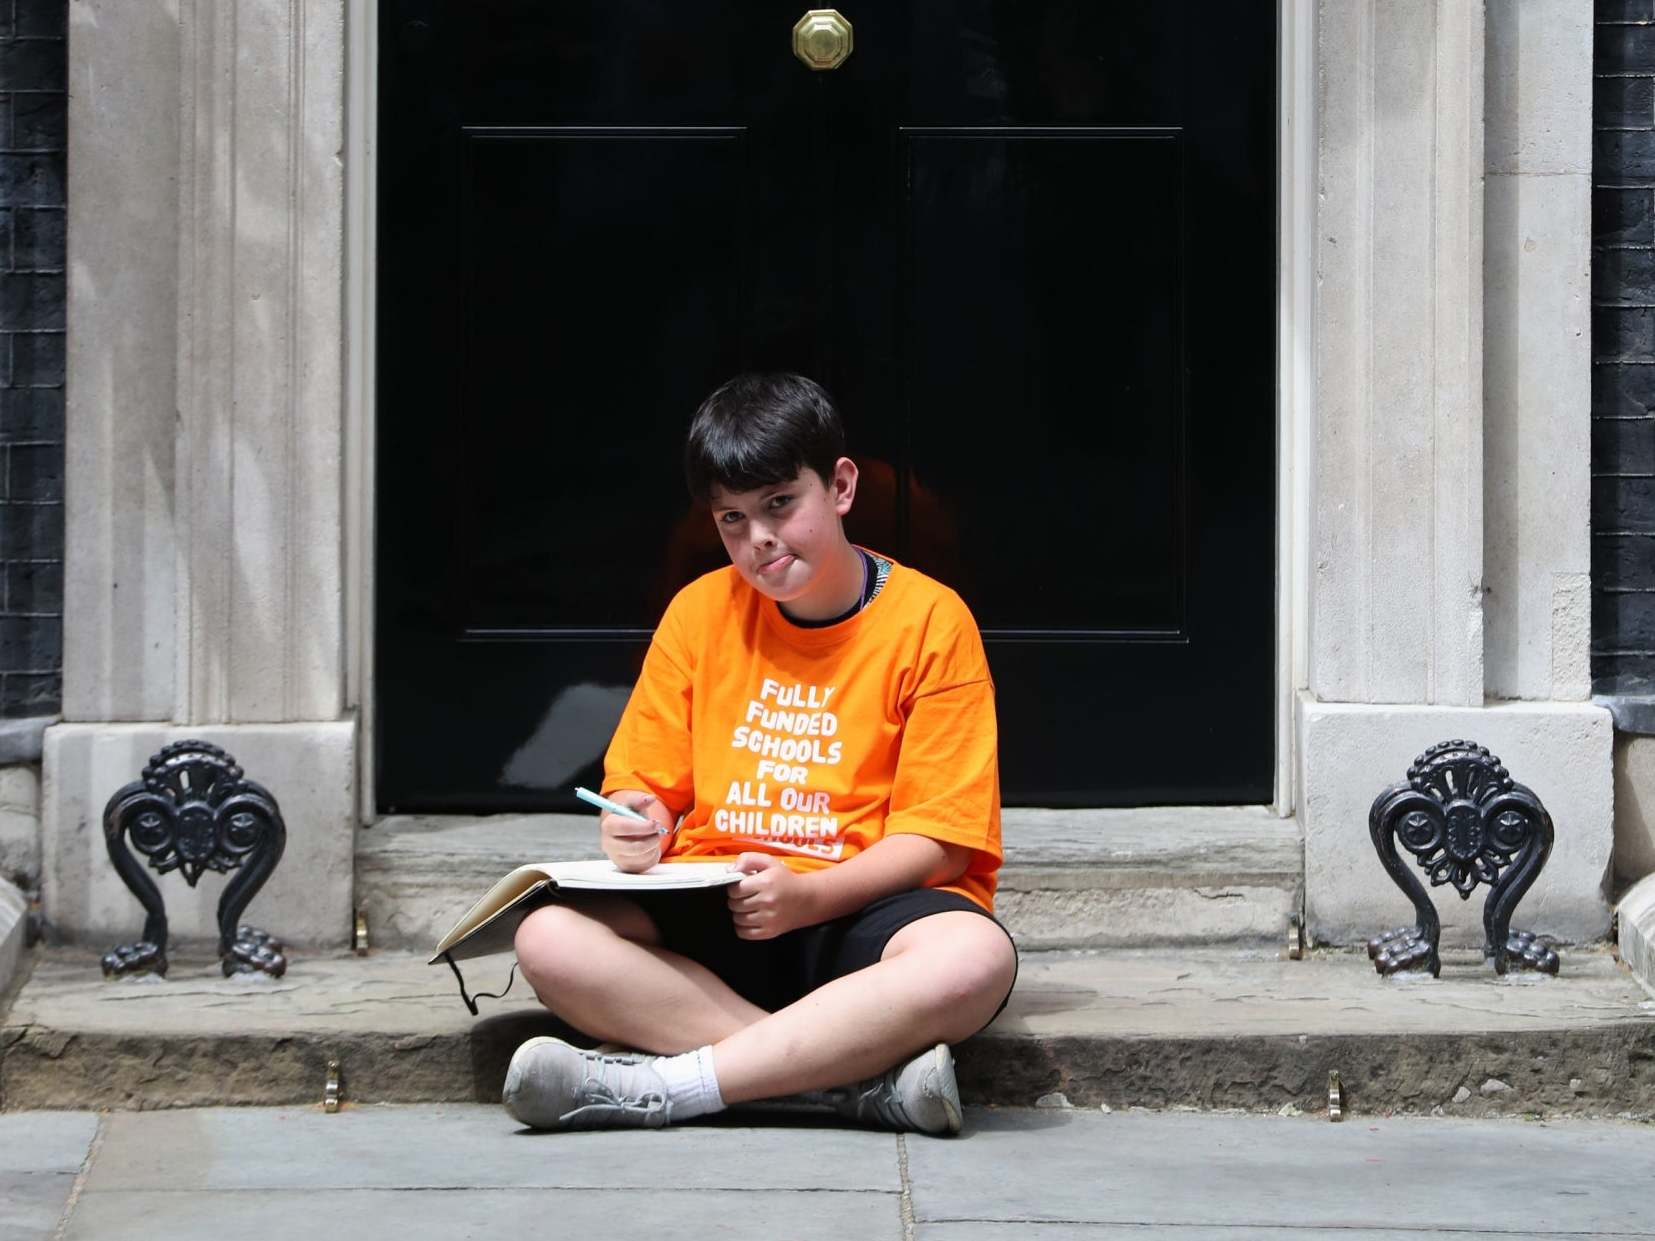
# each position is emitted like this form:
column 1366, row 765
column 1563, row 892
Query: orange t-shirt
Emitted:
column 813, row 743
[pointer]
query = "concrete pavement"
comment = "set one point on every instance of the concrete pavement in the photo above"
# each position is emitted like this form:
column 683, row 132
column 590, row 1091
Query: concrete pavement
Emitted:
column 465, row 1170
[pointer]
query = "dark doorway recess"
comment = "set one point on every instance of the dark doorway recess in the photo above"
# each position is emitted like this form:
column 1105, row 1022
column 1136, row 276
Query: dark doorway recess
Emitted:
column 1029, row 246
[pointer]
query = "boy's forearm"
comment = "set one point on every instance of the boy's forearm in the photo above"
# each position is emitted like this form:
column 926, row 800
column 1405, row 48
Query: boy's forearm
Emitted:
column 898, row 863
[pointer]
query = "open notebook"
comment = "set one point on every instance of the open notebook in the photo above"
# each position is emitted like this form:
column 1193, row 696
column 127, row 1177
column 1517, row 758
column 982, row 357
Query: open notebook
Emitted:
column 491, row 924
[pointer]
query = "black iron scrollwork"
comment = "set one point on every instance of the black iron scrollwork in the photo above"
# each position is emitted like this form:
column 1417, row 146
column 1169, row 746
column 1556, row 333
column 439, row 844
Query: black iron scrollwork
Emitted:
column 194, row 811
column 1467, row 822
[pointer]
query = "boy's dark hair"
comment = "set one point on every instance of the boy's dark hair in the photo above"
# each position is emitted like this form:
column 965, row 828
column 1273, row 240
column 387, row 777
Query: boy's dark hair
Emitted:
column 760, row 429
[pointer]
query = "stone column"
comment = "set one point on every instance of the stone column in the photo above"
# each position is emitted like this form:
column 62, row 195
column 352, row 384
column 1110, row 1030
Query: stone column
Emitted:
column 121, row 383
column 1397, row 581
column 1537, row 310
column 205, row 388
column 1408, row 627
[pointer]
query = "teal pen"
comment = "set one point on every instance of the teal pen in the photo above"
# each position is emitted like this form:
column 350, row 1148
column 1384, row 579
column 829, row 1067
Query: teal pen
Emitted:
column 615, row 807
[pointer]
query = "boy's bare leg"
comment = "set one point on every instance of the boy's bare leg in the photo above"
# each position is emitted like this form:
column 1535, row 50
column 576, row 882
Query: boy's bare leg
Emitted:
column 940, row 980
column 594, row 963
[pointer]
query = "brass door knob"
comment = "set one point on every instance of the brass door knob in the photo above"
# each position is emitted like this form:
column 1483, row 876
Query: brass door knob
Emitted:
column 822, row 39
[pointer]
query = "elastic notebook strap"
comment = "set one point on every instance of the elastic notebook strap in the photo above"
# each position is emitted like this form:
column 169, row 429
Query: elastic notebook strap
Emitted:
column 481, row 995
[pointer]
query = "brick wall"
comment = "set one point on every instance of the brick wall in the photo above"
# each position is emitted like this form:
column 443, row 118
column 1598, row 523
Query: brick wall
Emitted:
column 33, row 140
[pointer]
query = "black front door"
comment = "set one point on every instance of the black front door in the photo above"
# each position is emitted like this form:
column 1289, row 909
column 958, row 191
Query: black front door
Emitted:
column 1029, row 245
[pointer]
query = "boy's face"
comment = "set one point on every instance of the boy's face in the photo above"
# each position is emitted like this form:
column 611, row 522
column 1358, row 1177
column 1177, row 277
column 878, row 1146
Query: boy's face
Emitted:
column 786, row 539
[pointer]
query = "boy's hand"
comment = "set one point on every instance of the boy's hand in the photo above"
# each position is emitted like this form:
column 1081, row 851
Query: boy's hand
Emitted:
column 771, row 900
column 633, row 846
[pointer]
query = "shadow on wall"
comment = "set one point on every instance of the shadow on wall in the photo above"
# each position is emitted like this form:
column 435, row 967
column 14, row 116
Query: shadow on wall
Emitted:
column 1634, row 811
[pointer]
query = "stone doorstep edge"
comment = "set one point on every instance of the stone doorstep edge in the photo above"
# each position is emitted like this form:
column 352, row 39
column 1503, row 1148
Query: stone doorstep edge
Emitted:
column 1601, row 1070
column 1046, row 910
column 1636, row 918
column 14, row 918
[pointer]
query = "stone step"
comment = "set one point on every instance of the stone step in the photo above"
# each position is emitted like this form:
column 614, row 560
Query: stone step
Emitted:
column 1187, row 875
column 1156, row 1029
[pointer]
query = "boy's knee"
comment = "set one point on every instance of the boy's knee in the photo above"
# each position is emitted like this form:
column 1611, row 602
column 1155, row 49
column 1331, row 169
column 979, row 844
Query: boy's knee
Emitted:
column 971, row 960
column 990, row 967
column 552, row 941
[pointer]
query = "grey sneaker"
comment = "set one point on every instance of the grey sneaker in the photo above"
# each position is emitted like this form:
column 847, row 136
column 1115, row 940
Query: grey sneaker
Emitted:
column 553, row 1085
column 918, row 1095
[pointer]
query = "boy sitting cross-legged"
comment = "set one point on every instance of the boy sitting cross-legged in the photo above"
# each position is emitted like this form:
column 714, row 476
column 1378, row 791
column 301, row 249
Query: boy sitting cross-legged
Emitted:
column 823, row 718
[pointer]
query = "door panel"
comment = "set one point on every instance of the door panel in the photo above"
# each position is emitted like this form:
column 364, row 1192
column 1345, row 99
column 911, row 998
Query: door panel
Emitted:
column 1029, row 246
column 566, row 234
column 1025, row 246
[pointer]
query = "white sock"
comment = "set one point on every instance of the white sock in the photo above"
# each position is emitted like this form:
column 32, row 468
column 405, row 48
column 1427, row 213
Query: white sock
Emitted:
column 692, row 1086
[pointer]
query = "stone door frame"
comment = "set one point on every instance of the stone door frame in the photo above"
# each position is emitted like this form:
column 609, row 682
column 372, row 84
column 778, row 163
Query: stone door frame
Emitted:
column 1295, row 386
column 219, row 432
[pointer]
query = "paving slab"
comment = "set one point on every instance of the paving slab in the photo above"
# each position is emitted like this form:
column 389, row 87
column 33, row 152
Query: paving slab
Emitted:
column 419, row 1215
column 41, row 1154
column 45, row 1141
column 976, row 1231
column 469, row 1171
column 1186, row 1171
column 31, row 1203
column 471, row 1146
column 1206, row 1029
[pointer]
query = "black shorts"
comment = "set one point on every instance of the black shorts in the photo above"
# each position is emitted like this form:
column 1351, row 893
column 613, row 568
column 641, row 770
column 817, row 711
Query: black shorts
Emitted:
column 773, row 973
